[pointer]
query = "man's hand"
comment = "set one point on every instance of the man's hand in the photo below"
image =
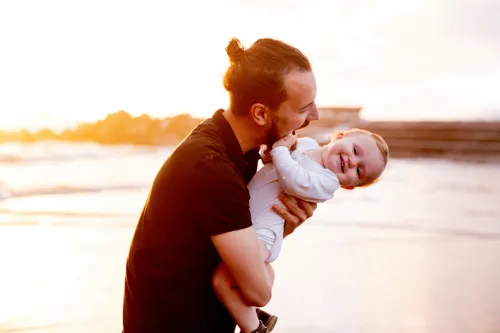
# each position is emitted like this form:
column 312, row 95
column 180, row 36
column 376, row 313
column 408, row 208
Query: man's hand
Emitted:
column 295, row 212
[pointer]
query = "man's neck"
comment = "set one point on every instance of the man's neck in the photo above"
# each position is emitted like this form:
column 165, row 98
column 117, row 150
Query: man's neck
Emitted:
column 243, row 132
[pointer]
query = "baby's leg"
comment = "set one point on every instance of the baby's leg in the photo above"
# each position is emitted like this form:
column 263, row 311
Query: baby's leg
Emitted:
column 228, row 293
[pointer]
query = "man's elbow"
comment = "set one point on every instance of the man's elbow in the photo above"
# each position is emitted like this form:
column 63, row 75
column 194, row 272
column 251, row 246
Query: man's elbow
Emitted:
column 259, row 292
column 259, row 298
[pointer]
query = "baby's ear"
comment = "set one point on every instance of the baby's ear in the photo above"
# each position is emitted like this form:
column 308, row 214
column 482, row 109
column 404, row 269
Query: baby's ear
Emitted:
column 347, row 187
column 337, row 135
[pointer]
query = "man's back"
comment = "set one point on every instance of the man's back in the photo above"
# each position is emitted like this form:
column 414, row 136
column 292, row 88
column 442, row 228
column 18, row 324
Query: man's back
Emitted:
column 172, row 259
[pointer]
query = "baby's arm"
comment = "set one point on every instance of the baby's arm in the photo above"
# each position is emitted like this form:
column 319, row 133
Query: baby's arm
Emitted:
column 308, row 185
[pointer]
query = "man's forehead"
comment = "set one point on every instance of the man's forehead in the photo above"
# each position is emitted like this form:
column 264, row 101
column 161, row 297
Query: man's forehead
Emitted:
column 300, row 84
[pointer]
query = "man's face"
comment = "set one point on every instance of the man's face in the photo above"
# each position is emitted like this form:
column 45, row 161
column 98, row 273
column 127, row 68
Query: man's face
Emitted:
column 298, row 110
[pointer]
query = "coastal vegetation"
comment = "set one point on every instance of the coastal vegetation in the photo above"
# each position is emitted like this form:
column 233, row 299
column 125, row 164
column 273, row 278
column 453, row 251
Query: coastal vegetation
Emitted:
column 117, row 128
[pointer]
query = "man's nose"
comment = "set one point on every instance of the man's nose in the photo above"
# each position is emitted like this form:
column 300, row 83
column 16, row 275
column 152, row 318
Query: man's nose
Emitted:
column 314, row 115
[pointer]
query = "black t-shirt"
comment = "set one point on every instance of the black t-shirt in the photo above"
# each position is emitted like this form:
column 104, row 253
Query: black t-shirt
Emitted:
column 200, row 191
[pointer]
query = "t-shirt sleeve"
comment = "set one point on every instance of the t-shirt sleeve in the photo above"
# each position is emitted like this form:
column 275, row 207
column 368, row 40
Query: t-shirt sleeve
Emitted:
column 221, row 199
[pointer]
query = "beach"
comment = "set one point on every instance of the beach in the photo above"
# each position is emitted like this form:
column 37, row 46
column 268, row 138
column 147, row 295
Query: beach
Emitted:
column 418, row 252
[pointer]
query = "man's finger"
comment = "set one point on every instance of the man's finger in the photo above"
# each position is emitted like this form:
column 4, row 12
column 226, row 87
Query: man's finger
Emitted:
column 294, row 208
column 286, row 215
column 288, row 229
column 308, row 207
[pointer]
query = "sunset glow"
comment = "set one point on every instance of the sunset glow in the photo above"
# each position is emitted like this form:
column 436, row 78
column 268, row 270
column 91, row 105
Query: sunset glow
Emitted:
column 63, row 63
column 105, row 148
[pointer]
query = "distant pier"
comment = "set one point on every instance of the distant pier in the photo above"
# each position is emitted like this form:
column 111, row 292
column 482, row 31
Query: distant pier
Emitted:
column 433, row 139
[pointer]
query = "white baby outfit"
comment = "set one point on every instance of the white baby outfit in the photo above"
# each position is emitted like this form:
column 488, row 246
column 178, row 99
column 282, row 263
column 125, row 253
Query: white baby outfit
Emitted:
column 295, row 174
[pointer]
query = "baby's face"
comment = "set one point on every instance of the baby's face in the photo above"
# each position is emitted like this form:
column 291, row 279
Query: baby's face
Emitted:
column 355, row 159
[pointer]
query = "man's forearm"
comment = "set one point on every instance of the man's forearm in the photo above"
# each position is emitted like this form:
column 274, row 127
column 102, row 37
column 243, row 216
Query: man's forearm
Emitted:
column 240, row 251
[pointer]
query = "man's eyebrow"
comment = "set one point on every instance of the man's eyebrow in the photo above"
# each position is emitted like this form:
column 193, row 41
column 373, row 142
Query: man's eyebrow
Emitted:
column 306, row 106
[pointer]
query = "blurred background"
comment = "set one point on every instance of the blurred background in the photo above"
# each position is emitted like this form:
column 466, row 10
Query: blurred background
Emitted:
column 95, row 95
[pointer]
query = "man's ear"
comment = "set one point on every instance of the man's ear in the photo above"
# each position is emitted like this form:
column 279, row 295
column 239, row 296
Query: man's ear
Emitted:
column 347, row 187
column 260, row 114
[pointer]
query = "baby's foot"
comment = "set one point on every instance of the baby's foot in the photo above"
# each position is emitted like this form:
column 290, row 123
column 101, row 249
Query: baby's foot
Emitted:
column 261, row 329
column 268, row 319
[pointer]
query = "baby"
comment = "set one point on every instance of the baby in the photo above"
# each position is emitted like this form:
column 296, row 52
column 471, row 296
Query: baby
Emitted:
column 301, row 168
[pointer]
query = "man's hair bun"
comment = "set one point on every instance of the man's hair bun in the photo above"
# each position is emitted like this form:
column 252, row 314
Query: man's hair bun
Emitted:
column 235, row 50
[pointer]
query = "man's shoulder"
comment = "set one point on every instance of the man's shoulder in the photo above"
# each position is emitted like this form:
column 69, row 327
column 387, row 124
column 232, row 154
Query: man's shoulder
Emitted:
column 202, row 157
column 203, row 144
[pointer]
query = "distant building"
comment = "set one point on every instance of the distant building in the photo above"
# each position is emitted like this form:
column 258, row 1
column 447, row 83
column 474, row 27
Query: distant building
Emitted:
column 338, row 116
column 330, row 119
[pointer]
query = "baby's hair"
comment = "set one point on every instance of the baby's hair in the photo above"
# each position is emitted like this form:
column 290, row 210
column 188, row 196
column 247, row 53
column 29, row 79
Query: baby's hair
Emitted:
column 383, row 147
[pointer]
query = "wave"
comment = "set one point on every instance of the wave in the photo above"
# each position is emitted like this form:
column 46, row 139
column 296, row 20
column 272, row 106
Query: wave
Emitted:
column 415, row 227
column 15, row 159
column 10, row 159
column 66, row 214
column 8, row 193
column 63, row 151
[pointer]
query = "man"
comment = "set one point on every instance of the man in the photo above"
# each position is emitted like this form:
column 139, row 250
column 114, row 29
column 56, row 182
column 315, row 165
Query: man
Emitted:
column 197, row 212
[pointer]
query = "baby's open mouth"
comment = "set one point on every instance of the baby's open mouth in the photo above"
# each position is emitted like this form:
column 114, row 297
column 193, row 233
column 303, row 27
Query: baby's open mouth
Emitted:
column 341, row 163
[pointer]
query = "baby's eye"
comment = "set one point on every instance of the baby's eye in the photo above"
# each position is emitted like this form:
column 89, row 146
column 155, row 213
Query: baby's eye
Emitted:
column 355, row 151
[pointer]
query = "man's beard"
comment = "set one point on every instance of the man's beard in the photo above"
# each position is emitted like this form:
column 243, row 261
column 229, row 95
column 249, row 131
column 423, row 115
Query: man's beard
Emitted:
column 273, row 133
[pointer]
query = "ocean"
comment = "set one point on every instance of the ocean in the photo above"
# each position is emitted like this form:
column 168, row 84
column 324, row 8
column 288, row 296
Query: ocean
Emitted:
column 417, row 252
column 50, row 182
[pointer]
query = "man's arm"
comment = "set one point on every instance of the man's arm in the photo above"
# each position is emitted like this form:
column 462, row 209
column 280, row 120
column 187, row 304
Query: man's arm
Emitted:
column 222, row 198
column 240, row 251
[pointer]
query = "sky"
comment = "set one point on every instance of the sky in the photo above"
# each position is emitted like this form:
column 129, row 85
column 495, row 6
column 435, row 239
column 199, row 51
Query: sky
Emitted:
column 64, row 62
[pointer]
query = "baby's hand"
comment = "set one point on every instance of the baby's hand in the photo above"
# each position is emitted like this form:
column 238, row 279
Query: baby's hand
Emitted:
column 266, row 156
column 286, row 141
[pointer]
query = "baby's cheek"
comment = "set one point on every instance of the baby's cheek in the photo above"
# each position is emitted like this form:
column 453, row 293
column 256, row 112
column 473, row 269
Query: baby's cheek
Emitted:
column 379, row 167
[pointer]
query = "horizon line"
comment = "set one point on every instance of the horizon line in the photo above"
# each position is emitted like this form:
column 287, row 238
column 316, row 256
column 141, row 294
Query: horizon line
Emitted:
column 491, row 116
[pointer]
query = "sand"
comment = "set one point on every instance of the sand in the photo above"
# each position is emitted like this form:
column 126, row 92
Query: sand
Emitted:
column 330, row 278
